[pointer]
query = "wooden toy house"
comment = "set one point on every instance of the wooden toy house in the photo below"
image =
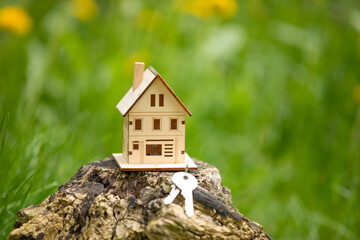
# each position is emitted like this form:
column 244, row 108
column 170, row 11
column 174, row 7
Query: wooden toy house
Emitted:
column 153, row 125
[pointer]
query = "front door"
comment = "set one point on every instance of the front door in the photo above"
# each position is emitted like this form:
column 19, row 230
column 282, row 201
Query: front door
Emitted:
column 136, row 152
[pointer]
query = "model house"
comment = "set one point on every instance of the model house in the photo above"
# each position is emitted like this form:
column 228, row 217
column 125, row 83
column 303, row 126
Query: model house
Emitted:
column 153, row 125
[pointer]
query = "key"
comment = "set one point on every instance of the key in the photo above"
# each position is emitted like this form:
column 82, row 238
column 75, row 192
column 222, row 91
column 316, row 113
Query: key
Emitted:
column 173, row 193
column 187, row 183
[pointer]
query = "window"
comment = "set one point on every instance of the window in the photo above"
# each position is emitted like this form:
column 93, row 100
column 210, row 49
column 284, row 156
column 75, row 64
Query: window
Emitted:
column 156, row 124
column 135, row 146
column 173, row 124
column 137, row 124
column 152, row 100
column 153, row 149
column 161, row 100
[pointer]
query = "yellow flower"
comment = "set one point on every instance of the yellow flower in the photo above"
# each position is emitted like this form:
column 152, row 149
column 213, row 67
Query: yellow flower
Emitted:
column 209, row 8
column 15, row 19
column 356, row 94
column 85, row 10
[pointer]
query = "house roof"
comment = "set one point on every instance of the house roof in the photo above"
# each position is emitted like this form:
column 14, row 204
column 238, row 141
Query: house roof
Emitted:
column 131, row 97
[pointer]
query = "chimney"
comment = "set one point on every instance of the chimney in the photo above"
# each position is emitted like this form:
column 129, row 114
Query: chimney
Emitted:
column 138, row 74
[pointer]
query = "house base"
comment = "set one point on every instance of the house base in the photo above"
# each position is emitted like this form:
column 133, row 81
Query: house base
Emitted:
column 124, row 166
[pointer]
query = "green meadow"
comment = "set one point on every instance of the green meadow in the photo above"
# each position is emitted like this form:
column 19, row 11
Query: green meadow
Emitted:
column 274, row 88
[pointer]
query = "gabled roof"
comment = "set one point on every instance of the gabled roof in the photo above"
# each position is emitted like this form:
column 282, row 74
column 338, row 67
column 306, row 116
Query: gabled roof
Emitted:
column 131, row 97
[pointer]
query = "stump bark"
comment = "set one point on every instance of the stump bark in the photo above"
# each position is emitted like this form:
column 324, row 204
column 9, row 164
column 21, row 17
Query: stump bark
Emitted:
column 102, row 202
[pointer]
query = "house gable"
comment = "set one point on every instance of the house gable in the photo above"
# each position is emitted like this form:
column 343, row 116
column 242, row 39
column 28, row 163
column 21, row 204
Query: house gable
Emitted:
column 153, row 96
column 132, row 97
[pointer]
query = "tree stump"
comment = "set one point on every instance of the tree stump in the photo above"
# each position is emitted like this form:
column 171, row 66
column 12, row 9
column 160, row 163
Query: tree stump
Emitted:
column 102, row 202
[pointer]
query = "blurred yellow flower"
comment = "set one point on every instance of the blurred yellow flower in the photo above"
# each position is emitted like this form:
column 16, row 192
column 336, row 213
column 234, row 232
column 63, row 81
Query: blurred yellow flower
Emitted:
column 15, row 19
column 209, row 8
column 356, row 94
column 85, row 10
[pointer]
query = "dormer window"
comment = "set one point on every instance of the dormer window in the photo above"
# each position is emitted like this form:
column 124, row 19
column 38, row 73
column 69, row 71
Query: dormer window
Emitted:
column 161, row 100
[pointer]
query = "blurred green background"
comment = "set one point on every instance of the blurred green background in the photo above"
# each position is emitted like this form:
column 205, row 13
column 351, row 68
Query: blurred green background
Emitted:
column 274, row 88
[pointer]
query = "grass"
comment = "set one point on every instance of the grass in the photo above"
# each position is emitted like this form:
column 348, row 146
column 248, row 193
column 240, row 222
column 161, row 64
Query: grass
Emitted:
column 274, row 90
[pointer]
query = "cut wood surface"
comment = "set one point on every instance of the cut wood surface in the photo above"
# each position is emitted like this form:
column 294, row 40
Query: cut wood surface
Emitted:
column 102, row 202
